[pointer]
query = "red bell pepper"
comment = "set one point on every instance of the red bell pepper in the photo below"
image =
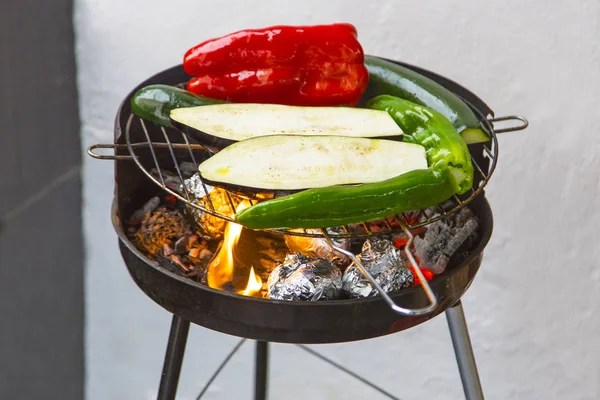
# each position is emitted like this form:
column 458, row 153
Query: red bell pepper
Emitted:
column 321, row 65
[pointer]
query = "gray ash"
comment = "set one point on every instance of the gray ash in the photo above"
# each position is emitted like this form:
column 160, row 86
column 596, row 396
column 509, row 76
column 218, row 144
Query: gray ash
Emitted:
column 444, row 238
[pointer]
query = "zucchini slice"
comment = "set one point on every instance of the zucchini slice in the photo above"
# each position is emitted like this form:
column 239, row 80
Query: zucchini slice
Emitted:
column 300, row 162
column 474, row 136
column 220, row 125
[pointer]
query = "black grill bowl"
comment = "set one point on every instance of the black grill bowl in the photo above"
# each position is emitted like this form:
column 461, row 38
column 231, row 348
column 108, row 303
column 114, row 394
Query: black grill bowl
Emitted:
column 270, row 320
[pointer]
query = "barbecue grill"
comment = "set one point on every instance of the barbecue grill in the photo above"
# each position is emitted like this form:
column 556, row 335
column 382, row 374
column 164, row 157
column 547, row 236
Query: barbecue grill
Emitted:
column 144, row 151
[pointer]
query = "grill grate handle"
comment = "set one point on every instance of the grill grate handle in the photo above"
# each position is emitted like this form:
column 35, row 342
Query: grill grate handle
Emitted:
column 523, row 123
column 424, row 284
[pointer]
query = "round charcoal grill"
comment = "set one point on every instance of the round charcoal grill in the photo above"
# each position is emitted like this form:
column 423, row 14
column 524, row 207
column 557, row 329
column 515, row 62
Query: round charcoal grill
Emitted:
column 143, row 151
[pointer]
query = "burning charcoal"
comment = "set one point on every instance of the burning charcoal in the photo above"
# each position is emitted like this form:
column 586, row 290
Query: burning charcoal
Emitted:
column 382, row 261
column 318, row 247
column 192, row 240
column 306, row 279
column 184, row 244
column 159, row 228
column 194, row 252
column 181, row 245
column 267, row 250
column 209, row 224
column 198, row 274
column 443, row 238
column 205, row 255
column 139, row 215
column 167, row 250
column 177, row 260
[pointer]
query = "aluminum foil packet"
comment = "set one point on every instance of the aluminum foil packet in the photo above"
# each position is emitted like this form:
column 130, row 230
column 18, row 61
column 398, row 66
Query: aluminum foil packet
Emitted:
column 209, row 224
column 318, row 247
column 305, row 279
column 443, row 238
column 381, row 259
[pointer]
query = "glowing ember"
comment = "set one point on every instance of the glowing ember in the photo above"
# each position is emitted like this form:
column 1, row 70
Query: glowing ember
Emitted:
column 221, row 268
column 254, row 284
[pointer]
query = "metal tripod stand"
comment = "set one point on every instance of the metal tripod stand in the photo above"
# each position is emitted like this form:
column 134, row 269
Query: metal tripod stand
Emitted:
column 178, row 337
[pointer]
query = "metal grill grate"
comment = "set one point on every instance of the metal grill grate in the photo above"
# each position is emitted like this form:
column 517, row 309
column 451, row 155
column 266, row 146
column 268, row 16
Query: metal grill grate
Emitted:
column 173, row 140
column 172, row 147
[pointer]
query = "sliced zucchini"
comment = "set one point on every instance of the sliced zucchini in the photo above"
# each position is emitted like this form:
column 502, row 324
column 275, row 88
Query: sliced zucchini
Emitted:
column 220, row 125
column 473, row 136
column 301, row 162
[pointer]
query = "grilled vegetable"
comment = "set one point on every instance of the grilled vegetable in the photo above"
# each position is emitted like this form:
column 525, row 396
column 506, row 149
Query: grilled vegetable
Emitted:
column 223, row 124
column 154, row 103
column 389, row 78
column 343, row 205
column 446, row 150
column 474, row 136
column 318, row 65
column 450, row 171
column 300, row 162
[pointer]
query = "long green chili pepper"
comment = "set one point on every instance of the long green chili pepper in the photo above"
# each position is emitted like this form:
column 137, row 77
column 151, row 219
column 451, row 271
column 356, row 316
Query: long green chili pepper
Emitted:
column 450, row 171
column 444, row 147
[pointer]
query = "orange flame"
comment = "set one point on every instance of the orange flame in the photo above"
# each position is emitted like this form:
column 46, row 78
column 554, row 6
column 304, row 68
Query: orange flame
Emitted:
column 254, row 284
column 221, row 268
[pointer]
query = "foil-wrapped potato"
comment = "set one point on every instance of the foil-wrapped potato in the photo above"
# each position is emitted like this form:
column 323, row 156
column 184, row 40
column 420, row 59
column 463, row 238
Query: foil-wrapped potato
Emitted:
column 380, row 258
column 306, row 279
column 209, row 224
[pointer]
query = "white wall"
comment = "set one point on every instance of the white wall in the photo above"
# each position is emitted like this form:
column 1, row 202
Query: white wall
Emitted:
column 533, row 309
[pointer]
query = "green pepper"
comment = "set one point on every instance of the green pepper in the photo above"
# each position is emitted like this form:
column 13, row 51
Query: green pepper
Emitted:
column 444, row 148
column 450, row 171
column 386, row 77
column 342, row 205
column 155, row 102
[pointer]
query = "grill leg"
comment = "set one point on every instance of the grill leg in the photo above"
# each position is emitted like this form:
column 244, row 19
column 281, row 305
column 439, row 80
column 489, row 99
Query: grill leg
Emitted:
column 261, row 370
column 173, row 358
column 464, row 352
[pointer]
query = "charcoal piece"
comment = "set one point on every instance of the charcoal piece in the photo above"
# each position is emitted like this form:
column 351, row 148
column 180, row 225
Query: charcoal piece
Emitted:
column 160, row 227
column 205, row 255
column 271, row 252
column 443, row 238
column 181, row 245
column 170, row 178
column 138, row 216
column 223, row 203
column 188, row 169
column 318, row 247
column 305, row 279
column 380, row 258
